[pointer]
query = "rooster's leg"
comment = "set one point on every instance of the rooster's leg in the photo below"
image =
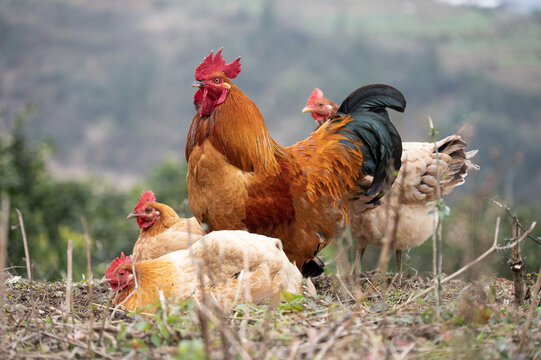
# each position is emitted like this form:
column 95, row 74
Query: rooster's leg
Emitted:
column 358, row 260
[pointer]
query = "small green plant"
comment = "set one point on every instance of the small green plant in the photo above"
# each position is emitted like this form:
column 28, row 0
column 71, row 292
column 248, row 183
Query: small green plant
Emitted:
column 439, row 206
column 291, row 302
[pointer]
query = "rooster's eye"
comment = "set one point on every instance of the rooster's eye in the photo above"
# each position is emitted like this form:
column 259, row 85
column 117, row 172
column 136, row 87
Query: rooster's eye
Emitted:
column 217, row 80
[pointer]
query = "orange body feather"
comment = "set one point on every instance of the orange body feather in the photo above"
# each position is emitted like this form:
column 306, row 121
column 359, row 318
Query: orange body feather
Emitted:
column 240, row 178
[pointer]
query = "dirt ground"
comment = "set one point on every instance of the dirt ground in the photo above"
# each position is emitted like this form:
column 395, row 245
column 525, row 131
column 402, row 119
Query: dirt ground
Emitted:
column 347, row 318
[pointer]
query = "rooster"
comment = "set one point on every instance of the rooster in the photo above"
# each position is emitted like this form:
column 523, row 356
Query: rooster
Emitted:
column 415, row 186
column 162, row 230
column 241, row 178
column 234, row 266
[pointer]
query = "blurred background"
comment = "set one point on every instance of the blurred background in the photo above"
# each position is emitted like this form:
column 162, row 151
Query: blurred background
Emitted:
column 96, row 101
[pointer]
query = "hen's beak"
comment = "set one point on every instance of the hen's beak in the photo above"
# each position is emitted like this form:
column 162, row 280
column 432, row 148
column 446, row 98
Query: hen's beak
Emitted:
column 198, row 84
column 104, row 280
column 307, row 109
column 133, row 214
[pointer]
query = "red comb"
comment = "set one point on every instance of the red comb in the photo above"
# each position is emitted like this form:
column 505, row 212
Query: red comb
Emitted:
column 116, row 263
column 210, row 65
column 316, row 94
column 146, row 196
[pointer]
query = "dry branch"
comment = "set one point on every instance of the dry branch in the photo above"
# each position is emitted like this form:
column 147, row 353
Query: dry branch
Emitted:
column 25, row 242
column 69, row 281
column 78, row 344
column 515, row 220
column 4, row 225
column 90, row 279
column 516, row 264
column 221, row 325
column 437, row 234
column 533, row 305
column 493, row 248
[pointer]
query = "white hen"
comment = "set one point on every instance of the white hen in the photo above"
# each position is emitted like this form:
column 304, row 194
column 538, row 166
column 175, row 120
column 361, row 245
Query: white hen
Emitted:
column 415, row 186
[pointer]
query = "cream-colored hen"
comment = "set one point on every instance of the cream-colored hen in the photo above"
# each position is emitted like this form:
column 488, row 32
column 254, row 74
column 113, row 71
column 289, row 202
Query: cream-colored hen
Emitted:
column 235, row 267
column 414, row 187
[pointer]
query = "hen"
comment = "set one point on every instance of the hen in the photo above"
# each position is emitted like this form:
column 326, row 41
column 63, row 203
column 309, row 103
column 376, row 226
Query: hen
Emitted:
column 235, row 266
column 240, row 178
column 162, row 230
column 415, row 186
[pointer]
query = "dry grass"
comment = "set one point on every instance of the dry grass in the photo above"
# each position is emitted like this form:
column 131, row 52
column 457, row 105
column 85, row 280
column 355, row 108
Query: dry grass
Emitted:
column 351, row 317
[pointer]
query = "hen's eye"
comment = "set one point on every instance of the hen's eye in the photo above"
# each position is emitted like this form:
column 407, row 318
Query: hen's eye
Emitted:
column 321, row 104
column 217, row 80
column 148, row 210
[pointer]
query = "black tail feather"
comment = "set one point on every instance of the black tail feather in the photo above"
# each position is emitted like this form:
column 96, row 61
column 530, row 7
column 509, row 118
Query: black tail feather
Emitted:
column 313, row 267
column 381, row 143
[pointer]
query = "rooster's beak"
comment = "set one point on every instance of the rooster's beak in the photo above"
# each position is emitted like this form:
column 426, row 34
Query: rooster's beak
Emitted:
column 307, row 109
column 197, row 84
column 133, row 214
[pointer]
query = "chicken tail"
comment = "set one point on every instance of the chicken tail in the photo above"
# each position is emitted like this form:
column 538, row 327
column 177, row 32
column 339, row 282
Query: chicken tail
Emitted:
column 374, row 133
column 313, row 267
column 456, row 162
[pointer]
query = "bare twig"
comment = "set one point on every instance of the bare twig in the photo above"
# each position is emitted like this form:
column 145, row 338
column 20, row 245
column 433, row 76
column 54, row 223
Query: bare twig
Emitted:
column 104, row 318
column 294, row 350
column 533, row 305
column 331, row 341
column 165, row 310
column 4, row 226
column 78, row 344
column 384, row 256
column 28, row 266
column 13, row 267
column 203, row 320
column 493, row 248
column 223, row 328
column 346, row 289
column 90, row 279
column 69, row 282
column 436, row 235
column 514, row 218
column 406, row 351
column 517, row 266
column 25, row 242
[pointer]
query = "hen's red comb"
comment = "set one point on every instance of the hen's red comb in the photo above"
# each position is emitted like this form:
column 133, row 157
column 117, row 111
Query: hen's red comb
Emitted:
column 210, row 65
column 116, row 263
column 146, row 196
column 316, row 94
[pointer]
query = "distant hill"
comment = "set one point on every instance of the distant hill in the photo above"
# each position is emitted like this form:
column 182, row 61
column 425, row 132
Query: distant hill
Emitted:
column 112, row 79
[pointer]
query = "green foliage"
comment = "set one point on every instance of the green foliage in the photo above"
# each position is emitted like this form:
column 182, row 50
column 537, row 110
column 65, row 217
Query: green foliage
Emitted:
column 440, row 206
column 53, row 210
column 291, row 302
column 191, row 349
column 168, row 181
